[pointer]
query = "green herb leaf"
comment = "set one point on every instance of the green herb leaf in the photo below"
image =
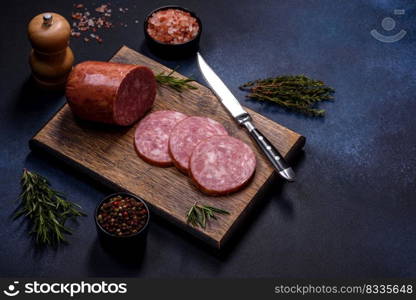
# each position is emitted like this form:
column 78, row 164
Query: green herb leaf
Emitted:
column 176, row 83
column 46, row 209
column 298, row 93
column 199, row 215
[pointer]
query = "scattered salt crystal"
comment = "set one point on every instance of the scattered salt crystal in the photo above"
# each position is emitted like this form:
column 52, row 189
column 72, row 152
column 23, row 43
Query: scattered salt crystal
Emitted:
column 75, row 33
column 101, row 9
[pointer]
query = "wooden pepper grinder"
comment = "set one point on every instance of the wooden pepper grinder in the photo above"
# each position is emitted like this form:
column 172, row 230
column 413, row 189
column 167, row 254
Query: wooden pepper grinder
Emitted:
column 51, row 59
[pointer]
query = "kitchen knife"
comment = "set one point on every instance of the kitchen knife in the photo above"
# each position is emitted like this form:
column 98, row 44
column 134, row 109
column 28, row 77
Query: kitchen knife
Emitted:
column 244, row 119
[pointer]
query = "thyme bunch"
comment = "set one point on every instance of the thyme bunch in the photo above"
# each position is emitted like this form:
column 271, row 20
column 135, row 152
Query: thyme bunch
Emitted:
column 199, row 215
column 176, row 83
column 47, row 209
column 298, row 93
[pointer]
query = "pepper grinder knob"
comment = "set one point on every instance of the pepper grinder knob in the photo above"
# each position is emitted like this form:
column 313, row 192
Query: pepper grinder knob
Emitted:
column 47, row 19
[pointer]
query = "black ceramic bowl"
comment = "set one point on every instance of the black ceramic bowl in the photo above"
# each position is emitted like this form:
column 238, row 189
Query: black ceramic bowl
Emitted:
column 113, row 240
column 173, row 51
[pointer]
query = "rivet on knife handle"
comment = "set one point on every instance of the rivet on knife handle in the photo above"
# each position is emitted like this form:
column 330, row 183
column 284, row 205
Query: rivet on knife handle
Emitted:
column 268, row 149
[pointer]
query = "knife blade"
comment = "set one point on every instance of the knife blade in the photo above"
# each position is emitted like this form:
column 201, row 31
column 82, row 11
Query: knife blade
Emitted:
column 244, row 119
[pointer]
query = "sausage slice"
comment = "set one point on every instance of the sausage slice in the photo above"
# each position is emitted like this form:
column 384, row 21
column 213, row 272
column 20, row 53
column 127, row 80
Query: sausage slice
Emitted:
column 221, row 165
column 152, row 136
column 187, row 134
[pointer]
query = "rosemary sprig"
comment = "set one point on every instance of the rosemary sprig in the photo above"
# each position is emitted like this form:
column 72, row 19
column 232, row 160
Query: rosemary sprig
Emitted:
column 199, row 215
column 176, row 83
column 46, row 209
column 298, row 93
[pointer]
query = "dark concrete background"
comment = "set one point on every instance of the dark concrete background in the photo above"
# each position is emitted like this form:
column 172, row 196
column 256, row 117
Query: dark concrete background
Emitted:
column 351, row 213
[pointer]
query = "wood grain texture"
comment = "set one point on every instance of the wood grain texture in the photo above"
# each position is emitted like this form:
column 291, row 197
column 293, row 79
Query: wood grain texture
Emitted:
column 107, row 154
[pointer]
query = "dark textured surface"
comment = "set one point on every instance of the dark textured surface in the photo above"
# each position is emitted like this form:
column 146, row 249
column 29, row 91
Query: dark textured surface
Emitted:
column 351, row 212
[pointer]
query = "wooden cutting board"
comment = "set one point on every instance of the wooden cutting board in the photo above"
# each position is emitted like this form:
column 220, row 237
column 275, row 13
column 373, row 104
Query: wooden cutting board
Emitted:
column 107, row 154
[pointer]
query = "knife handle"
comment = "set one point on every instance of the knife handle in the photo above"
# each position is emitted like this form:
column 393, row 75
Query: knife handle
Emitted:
column 277, row 160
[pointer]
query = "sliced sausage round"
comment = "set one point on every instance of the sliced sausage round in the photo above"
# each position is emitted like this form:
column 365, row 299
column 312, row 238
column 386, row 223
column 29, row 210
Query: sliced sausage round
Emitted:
column 110, row 93
column 187, row 134
column 220, row 165
column 152, row 136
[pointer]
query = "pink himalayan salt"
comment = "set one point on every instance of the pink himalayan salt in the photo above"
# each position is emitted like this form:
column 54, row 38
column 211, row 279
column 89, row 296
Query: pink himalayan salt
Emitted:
column 172, row 26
